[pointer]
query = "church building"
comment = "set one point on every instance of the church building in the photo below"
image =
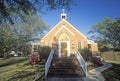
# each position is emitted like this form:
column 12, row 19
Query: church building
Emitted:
column 66, row 39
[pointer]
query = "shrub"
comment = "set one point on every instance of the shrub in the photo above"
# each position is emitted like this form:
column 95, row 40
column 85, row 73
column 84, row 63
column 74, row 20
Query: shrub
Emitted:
column 44, row 52
column 33, row 59
column 86, row 53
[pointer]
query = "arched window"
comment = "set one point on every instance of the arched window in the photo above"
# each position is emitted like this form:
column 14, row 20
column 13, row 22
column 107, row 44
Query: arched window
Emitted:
column 63, row 37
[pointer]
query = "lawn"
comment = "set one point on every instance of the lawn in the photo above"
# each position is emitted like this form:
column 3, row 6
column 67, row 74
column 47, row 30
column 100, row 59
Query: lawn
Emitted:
column 19, row 69
column 113, row 73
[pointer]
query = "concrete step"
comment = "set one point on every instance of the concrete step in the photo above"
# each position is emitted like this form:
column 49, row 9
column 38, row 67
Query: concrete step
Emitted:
column 66, row 75
column 65, row 79
column 65, row 61
column 70, row 57
column 61, row 66
column 65, row 67
column 67, row 70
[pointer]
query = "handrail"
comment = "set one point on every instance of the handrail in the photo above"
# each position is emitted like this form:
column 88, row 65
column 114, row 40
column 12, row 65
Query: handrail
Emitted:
column 81, row 61
column 48, row 63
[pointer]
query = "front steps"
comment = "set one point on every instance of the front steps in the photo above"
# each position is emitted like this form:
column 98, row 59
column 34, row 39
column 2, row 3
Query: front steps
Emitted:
column 67, row 67
column 66, row 79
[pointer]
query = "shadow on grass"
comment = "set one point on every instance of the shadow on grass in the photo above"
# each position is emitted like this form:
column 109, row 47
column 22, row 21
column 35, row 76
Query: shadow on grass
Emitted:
column 7, row 62
column 113, row 73
column 27, row 76
column 21, row 70
column 21, row 75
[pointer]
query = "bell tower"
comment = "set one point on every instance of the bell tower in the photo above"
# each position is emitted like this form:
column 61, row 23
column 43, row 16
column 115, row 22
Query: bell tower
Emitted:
column 63, row 15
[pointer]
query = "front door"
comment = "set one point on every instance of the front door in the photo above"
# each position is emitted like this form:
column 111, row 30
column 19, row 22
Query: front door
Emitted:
column 64, row 45
column 64, row 50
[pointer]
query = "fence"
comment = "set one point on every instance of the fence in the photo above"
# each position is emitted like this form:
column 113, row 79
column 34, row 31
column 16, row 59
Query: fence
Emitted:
column 112, row 56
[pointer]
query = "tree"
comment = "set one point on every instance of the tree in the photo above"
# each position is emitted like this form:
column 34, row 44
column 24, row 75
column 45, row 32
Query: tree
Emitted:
column 16, row 36
column 19, row 21
column 10, row 8
column 107, row 34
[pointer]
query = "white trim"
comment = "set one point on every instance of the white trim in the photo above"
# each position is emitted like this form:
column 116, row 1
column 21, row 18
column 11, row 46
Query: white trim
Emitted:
column 63, row 14
column 59, row 48
column 90, row 42
column 75, row 28
column 66, row 29
column 68, row 45
column 52, row 29
column 64, row 34
column 58, row 31
column 68, row 48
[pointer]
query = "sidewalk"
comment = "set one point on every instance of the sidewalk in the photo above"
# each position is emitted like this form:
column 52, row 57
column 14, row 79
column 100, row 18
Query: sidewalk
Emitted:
column 95, row 75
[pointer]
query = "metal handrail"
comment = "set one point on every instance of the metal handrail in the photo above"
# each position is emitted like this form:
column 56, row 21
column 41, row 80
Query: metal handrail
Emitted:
column 81, row 61
column 48, row 63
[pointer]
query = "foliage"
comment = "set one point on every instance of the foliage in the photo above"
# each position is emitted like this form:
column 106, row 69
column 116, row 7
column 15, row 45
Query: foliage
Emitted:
column 33, row 59
column 86, row 53
column 107, row 34
column 20, row 22
column 16, row 36
column 11, row 9
column 44, row 52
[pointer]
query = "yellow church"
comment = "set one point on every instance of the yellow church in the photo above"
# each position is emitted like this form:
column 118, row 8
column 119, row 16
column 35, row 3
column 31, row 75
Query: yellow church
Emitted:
column 66, row 39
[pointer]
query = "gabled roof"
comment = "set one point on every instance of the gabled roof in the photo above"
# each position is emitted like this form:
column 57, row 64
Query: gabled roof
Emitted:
column 75, row 29
column 64, row 27
column 64, row 20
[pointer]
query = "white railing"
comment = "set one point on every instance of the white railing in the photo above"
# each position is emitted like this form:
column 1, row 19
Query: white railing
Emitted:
column 48, row 63
column 81, row 61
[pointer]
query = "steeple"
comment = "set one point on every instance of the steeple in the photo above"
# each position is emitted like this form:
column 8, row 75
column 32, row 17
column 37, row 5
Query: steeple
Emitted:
column 63, row 15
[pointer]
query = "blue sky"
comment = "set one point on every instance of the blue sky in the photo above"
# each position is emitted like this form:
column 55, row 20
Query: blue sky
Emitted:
column 85, row 14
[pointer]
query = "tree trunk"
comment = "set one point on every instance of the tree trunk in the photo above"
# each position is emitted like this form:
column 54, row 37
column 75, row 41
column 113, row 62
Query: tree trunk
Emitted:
column 6, row 55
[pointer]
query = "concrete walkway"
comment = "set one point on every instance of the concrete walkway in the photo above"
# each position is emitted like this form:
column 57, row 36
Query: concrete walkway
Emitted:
column 93, row 75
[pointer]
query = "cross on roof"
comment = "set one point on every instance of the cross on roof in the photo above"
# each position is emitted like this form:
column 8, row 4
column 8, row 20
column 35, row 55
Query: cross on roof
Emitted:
column 63, row 10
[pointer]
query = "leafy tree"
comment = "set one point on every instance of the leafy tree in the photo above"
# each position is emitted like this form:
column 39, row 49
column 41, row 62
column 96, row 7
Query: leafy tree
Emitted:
column 16, row 36
column 10, row 8
column 20, row 21
column 107, row 34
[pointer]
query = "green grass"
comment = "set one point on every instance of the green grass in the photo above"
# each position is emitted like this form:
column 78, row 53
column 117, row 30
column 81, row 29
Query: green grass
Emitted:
column 113, row 73
column 115, row 62
column 19, row 69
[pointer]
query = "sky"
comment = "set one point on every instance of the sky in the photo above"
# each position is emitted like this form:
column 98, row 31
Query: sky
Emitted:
column 85, row 14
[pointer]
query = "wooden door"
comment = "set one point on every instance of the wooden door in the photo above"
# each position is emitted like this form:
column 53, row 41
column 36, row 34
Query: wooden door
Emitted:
column 64, row 50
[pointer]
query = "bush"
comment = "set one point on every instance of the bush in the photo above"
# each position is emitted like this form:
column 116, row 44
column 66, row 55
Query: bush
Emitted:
column 33, row 59
column 86, row 53
column 44, row 53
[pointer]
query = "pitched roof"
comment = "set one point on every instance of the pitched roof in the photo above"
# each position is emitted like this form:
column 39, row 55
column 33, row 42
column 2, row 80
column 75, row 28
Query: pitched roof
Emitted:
column 64, row 20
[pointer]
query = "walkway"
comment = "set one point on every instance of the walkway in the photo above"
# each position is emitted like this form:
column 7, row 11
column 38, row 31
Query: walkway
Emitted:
column 93, row 75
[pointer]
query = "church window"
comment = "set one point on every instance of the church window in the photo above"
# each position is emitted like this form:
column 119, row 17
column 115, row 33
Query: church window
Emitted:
column 79, row 45
column 63, row 37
